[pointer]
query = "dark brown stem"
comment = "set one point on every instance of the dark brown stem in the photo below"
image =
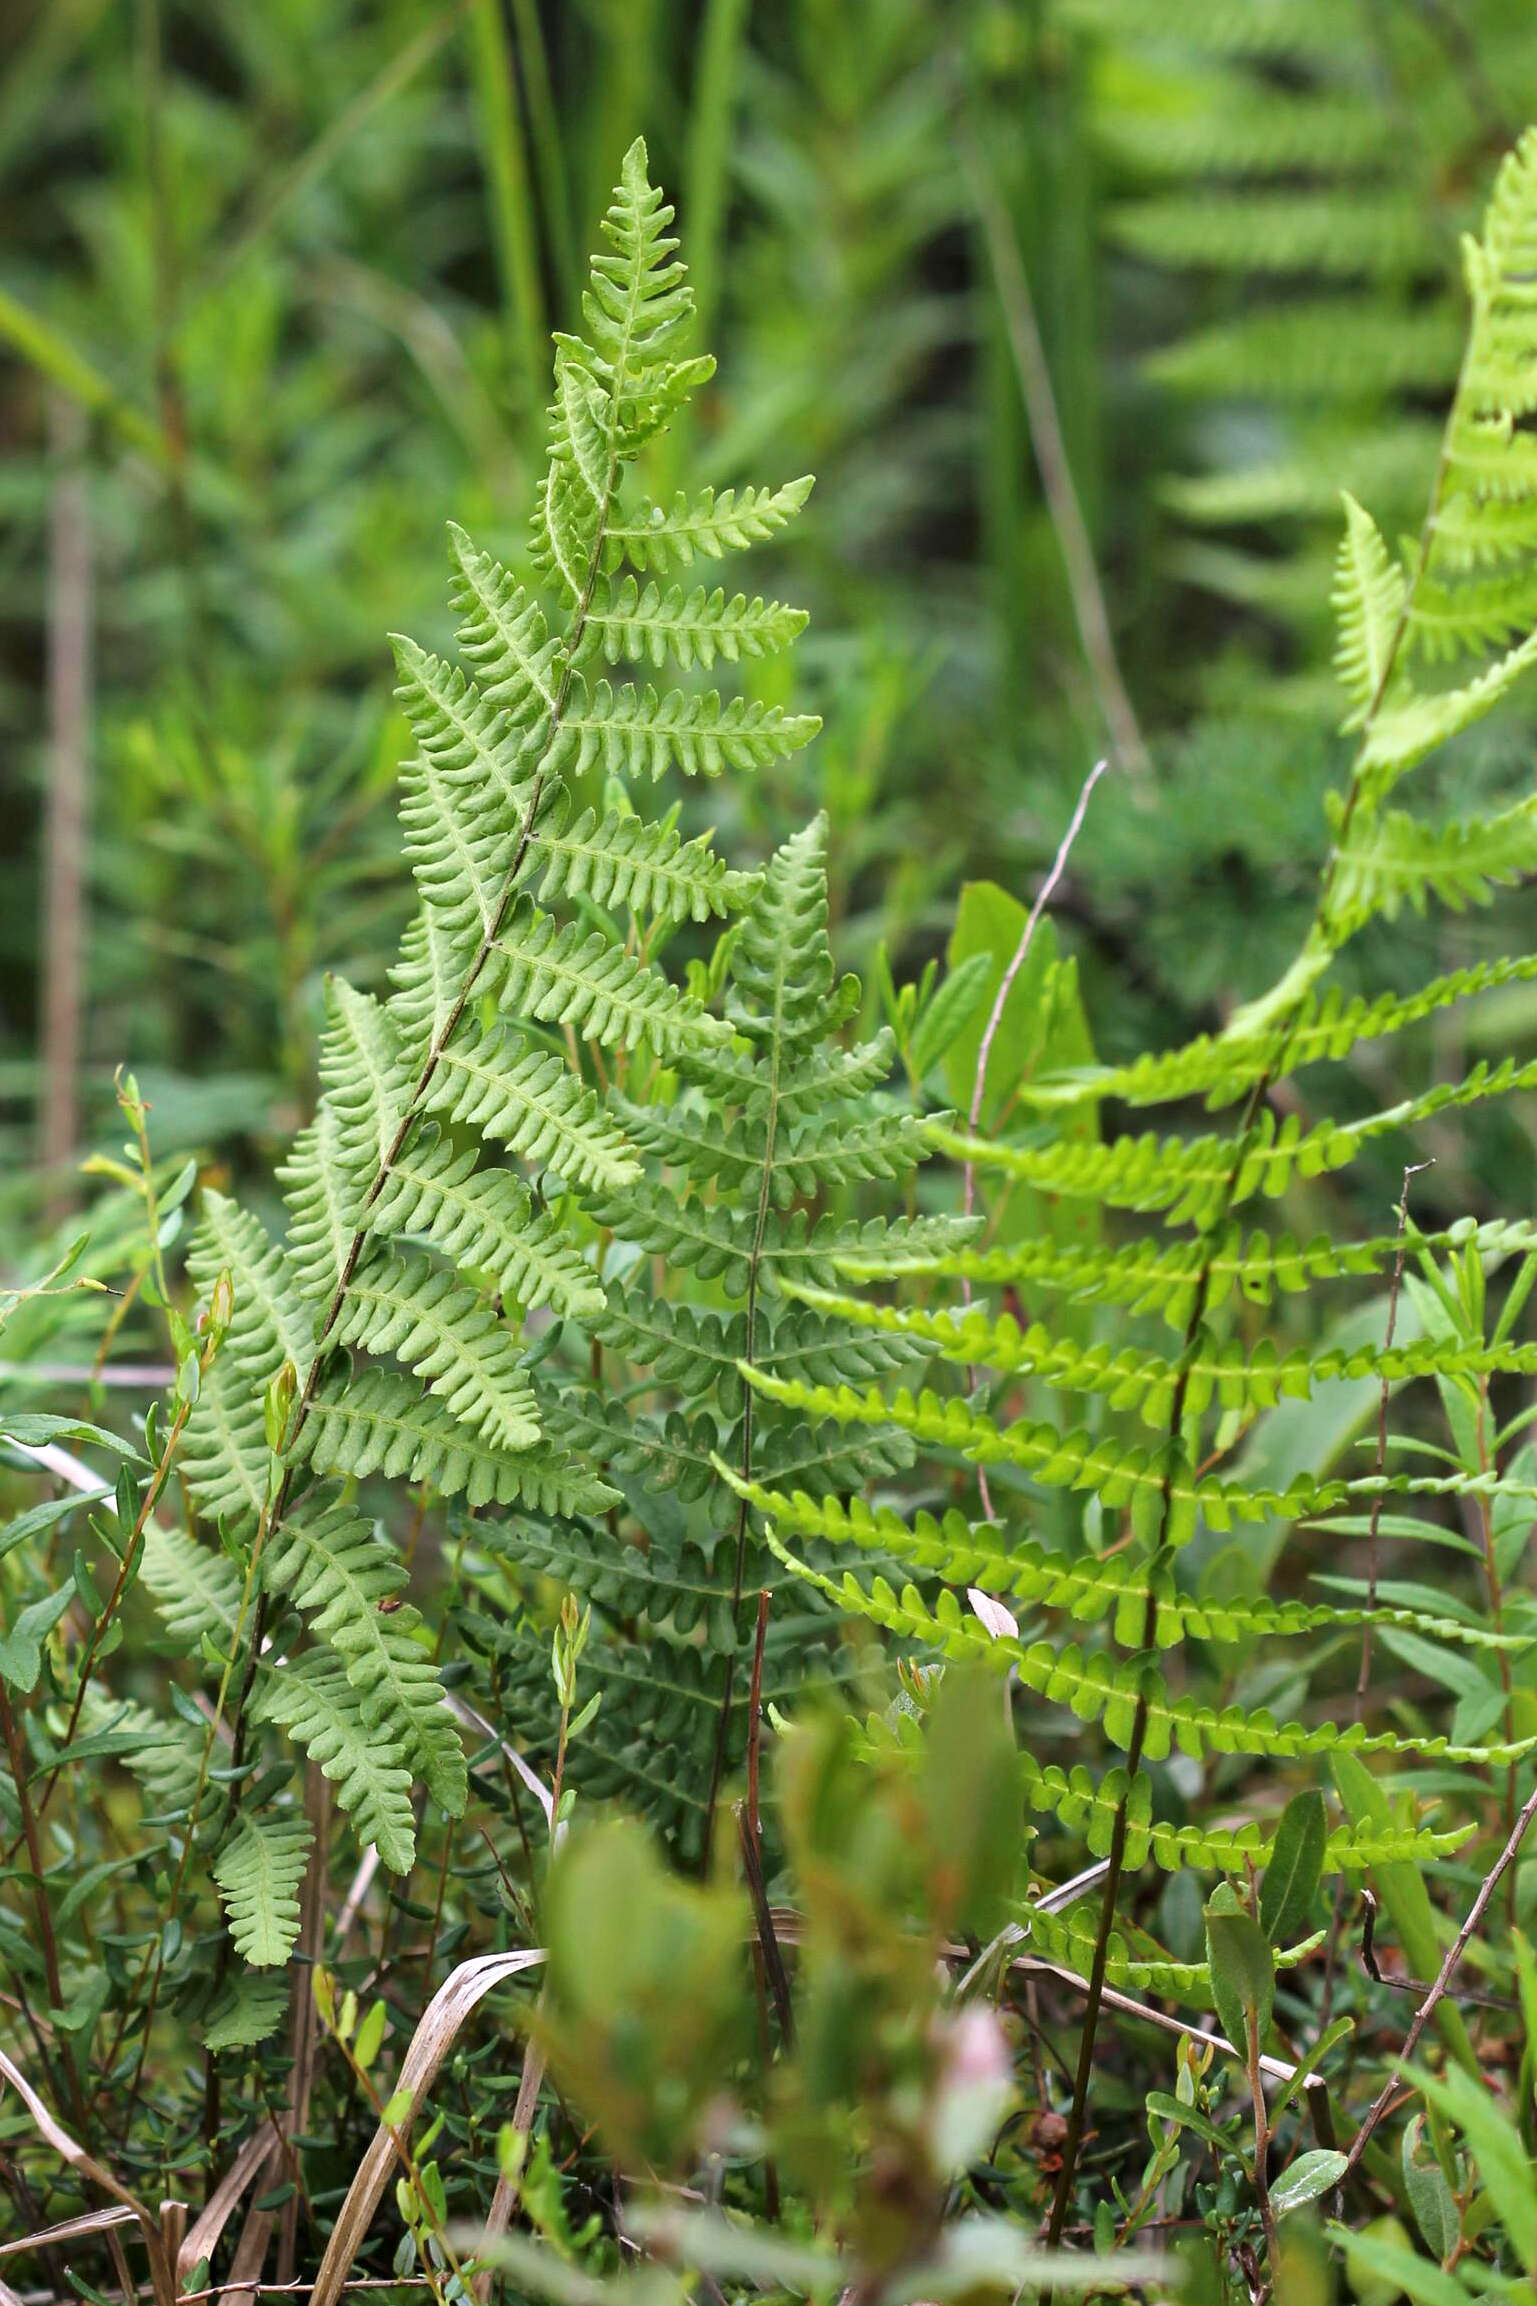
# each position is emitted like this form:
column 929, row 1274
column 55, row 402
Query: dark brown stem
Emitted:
column 744, row 1510
column 1382, row 2104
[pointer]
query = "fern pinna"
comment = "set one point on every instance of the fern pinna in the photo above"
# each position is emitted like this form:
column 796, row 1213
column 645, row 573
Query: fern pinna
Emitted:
column 1177, row 1473
column 426, row 1202
column 743, row 1143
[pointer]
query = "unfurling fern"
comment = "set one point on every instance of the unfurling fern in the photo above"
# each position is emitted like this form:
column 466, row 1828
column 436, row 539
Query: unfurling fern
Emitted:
column 742, row 1144
column 425, row 1202
column 1151, row 1433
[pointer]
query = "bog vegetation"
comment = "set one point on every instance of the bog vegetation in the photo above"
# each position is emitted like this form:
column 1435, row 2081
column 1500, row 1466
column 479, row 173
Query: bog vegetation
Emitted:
column 678, row 1624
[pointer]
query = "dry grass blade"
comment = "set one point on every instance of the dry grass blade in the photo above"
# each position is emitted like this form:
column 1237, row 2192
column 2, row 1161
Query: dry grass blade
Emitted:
column 69, row 2230
column 458, row 1996
column 202, row 2238
column 70, row 2151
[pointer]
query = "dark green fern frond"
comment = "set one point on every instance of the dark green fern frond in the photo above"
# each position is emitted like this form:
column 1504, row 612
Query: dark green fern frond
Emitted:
column 743, row 1148
column 427, row 1204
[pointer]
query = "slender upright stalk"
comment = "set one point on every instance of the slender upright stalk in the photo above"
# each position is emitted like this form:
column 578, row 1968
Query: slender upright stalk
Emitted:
column 512, row 209
column 1037, row 392
column 67, row 801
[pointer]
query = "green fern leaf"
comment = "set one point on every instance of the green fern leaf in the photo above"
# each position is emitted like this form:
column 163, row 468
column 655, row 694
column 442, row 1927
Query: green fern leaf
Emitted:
column 484, row 1219
column 494, row 1080
column 347, row 1583
column 259, row 1870
column 626, row 862
column 691, row 628
column 402, row 1305
column 1369, row 603
column 315, row 1702
column 627, row 731
column 594, row 985
column 375, row 1421
column 707, row 526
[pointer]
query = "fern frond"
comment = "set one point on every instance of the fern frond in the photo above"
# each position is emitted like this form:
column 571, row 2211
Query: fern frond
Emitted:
column 1222, row 1067
column 1395, row 861
column 249, row 2011
column 628, row 862
column 269, row 1324
column 715, row 1241
column 315, row 1702
column 1096, row 1688
column 706, row 526
column 326, row 1558
column 1087, row 1805
column 1369, row 606
column 1299, row 353
column 403, row 1305
column 259, row 1870
column 559, row 977
column 484, row 1219
column 1155, row 1275
column 196, row 1590
column 1194, row 1178
column 699, row 1352
column 627, row 731
column 375, row 1421
column 491, row 1078
column 1152, row 1482
column 464, row 793
column 363, row 1069
column 1211, row 1368
column 319, row 1191
column 224, row 1455
column 1413, row 724
column 503, row 634
column 1346, row 233
column 165, row 1757
column 1296, row 32
column 1117, row 1588
column 691, row 628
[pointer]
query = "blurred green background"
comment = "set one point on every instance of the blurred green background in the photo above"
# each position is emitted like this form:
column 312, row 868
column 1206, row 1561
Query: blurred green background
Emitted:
column 1081, row 311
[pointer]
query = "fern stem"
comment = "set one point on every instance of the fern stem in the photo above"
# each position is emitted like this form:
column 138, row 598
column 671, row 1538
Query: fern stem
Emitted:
column 744, row 1510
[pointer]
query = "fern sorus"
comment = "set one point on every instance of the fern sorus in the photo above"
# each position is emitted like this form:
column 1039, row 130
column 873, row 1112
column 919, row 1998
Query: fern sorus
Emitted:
column 744, row 1146
column 1164, row 1442
column 427, row 1202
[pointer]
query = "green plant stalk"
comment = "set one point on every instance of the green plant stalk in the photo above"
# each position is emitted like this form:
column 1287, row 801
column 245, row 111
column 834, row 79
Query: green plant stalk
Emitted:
column 512, row 215
column 1261, row 2140
column 713, row 100
column 544, row 129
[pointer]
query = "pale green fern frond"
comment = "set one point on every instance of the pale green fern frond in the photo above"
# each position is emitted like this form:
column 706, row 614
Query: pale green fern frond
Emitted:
column 259, row 1870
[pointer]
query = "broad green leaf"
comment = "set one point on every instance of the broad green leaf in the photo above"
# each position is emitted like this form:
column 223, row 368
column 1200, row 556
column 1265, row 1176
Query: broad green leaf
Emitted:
column 1305, row 2179
column 1295, row 1869
column 1242, row 1972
